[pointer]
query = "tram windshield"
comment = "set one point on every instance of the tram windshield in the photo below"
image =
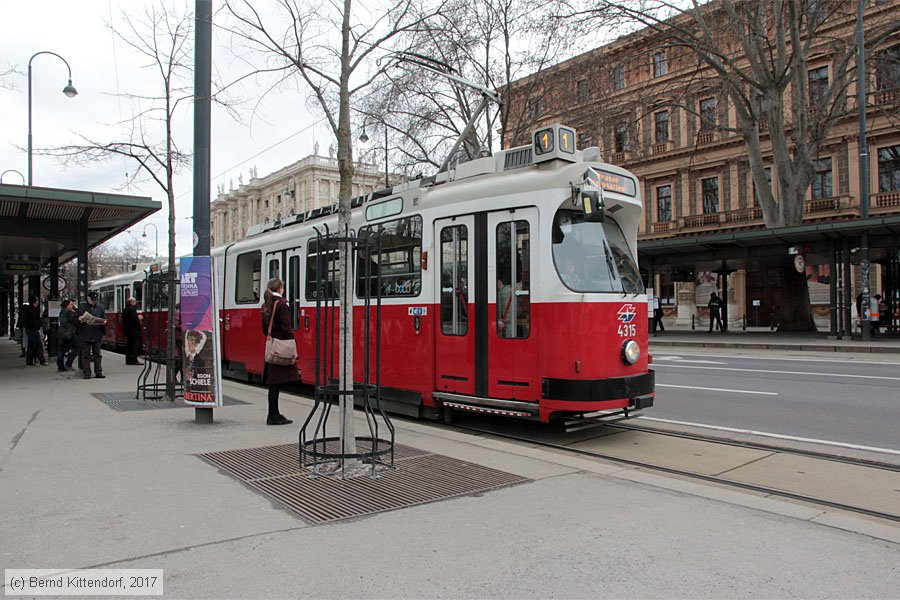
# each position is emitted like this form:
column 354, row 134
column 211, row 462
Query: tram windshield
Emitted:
column 593, row 257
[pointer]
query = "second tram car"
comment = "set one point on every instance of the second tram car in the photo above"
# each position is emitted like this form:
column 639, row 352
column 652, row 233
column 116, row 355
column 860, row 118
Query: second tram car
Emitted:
column 509, row 286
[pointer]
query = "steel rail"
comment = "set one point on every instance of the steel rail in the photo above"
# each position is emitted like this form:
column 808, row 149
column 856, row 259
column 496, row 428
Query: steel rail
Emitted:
column 858, row 462
column 691, row 474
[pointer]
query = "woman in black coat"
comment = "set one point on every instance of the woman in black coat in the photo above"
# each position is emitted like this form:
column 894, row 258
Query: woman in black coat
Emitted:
column 275, row 376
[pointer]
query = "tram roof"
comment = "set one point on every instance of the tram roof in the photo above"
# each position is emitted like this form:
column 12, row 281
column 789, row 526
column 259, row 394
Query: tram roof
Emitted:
column 500, row 164
column 38, row 223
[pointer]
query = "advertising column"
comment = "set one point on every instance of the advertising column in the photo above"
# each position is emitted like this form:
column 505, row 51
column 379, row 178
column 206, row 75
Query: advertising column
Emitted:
column 200, row 324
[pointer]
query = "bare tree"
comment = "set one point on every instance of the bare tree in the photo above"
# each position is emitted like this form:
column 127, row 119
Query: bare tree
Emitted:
column 491, row 43
column 759, row 54
column 6, row 82
column 297, row 43
column 163, row 38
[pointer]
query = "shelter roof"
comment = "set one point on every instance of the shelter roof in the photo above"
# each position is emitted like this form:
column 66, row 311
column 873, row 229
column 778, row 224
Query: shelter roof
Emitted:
column 38, row 223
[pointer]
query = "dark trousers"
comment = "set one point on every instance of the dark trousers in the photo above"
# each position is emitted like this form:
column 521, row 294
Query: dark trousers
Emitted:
column 91, row 351
column 69, row 346
column 274, row 390
column 132, row 349
column 714, row 317
column 657, row 320
column 34, row 348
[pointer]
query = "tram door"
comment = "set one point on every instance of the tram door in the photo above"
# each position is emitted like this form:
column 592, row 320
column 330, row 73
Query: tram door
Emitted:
column 512, row 370
column 484, row 344
column 455, row 335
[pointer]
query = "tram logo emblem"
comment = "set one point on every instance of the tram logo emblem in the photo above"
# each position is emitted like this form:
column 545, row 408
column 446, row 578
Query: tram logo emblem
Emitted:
column 627, row 313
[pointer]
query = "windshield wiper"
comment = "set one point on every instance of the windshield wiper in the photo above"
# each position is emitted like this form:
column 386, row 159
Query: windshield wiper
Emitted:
column 612, row 268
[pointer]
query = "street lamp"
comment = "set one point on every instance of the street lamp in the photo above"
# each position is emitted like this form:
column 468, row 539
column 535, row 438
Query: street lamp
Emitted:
column 69, row 91
column 155, row 237
column 364, row 139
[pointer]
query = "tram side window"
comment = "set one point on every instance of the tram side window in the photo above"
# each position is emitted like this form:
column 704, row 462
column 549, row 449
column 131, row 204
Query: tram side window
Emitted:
column 247, row 277
column 328, row 271
column 108, row 298
column 137, row 292
column 400, row 261
column 513, row 280
column 454, row 284
column 273, row 268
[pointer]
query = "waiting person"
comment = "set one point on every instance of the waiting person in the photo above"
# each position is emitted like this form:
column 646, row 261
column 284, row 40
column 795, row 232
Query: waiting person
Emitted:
column 275, row 312
column 131, row 324
column 34, row 334
column 875, row 312
column 67, row 336
column 715, row 311
column 92, row 325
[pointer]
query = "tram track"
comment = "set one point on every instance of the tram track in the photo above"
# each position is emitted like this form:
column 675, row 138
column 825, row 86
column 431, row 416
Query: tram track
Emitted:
column 716, row 479
column 838, row 458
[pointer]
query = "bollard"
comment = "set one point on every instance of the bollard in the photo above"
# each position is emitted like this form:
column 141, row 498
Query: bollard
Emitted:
column 693, row 325
column 744, row 323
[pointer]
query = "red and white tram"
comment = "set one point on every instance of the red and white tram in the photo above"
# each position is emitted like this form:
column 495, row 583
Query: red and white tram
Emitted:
column 113, row 292
column 509, row 285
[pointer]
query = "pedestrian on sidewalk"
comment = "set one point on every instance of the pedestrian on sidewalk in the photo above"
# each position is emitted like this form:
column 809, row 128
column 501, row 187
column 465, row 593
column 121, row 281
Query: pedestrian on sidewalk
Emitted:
column 131, row 324
column 657, row 315
column 715, row 314
column 34, row 334
column 92, row 320
column 276, row 322
column 67, row 336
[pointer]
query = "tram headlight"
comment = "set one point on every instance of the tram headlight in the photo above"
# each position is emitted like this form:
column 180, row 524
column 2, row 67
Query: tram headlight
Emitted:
column 631, row 352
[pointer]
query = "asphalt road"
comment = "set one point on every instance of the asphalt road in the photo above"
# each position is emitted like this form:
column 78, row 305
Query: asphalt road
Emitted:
column 849, row 400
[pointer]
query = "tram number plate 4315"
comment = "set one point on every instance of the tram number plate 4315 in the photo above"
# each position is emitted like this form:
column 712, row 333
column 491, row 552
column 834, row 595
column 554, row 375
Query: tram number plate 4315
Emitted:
column 627, row 330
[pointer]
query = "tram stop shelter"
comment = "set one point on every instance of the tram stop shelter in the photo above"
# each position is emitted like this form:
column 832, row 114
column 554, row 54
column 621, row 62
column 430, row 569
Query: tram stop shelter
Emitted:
column 43, row 228
column 833, row 243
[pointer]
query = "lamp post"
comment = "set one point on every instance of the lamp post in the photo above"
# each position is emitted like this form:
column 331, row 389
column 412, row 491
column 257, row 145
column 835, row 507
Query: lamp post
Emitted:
column 155, row 237
column 364, row 139
column 69, row 91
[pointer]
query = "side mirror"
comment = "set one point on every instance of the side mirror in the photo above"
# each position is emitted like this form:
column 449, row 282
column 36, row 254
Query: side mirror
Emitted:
column 592, row 205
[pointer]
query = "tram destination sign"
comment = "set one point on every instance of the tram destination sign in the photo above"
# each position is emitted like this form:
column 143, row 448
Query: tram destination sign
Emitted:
column 615, row 182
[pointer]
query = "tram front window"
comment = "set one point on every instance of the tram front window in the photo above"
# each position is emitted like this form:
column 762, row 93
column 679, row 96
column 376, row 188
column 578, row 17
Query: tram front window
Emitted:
column 593, row 257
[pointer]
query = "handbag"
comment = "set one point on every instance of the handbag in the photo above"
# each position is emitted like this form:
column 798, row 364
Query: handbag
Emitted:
column 279, row 352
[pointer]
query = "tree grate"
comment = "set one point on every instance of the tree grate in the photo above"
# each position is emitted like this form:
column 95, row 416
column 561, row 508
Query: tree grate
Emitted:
column 420, row 477
column 126, row 402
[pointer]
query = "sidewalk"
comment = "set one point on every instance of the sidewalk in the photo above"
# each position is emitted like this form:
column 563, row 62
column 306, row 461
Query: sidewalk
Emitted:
column 771, row 340
column 84, row 486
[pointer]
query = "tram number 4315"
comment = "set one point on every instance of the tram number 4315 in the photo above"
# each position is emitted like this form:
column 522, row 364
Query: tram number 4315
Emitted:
column 627, row 330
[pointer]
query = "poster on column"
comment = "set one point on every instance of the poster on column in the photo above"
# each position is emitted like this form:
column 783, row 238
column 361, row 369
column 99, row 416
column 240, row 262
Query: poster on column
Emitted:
column 200, row 324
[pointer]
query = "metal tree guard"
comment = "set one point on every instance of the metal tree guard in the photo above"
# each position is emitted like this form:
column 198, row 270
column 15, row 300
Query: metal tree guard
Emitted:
column 156, row 303
column 321, row 453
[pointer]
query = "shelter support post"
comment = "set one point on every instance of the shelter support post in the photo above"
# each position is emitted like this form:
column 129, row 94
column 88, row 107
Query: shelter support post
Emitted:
column 82, row 283
column 848, row 288
column 832, row 288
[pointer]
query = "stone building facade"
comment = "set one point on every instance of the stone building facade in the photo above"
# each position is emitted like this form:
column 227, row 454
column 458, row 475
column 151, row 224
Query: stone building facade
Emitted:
column 307, row 184
column 651, row 108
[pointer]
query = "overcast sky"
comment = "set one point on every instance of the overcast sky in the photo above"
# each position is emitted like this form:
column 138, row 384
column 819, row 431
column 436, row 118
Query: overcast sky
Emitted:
column 101, row 66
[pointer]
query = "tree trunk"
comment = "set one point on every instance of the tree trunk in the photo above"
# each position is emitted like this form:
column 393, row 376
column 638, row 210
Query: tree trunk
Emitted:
column 796, row 313
column 345, row 256
column 171, row 277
